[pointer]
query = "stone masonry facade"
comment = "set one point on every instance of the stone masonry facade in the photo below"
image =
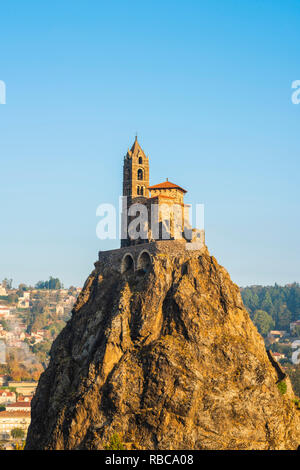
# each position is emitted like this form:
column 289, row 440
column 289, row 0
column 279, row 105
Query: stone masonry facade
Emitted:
column 163, row 215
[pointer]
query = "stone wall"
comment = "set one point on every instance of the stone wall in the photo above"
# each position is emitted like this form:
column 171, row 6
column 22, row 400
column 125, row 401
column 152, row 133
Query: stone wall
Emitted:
column 112, row 259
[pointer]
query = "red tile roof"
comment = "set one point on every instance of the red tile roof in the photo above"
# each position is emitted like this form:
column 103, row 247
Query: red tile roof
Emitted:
column 24, row 398
column 6, row 393
column 162, row 195
column 19, row 404
column 14, row 414
column 167, row 185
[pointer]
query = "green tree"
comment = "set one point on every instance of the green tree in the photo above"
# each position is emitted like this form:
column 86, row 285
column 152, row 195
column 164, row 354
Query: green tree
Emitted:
column 282, row 303
column 40, row 285
column 115, row 443
column 17, row 433
column 52, row 284
column 250, row 299
column 4, row 324
column 293, row 301
column 22, row 288
column 297, row 330
column 284, row 318
column 282, row 387
column 263, row 321
column 12, row 299
column 267, row 304
column 7, row 283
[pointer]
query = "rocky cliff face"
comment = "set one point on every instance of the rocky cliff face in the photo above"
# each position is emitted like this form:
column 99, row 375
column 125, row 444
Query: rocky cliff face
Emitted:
column 167, row 359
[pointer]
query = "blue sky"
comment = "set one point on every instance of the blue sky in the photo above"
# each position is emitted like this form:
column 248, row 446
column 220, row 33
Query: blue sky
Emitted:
column 207, row 86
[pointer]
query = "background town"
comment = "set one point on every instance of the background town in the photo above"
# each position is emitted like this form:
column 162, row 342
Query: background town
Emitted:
column 30, row 319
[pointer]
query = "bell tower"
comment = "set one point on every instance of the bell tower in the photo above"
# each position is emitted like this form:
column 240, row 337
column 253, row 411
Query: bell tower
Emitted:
column 135, row 172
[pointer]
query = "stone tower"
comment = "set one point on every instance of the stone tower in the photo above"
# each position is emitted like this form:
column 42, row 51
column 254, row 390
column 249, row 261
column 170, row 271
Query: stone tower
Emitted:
column 136, row 172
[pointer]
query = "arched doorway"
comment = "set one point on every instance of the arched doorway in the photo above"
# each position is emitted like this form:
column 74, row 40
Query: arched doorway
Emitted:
column 127, row 264
column 144, row 262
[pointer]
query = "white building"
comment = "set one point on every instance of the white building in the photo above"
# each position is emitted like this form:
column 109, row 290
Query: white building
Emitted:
column 13, row 419
column 276, row 333
column 23, row 302
column 278, row 356
column 6, row 397
column 2, row 291
column 60, row 310
column 4, row 311
column 19, row 406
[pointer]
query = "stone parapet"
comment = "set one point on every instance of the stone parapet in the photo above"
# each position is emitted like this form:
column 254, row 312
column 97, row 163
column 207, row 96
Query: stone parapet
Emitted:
column 113, row 259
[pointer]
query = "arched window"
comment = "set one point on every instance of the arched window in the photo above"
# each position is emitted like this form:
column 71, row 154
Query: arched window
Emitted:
column 138, row 190
column 142, row 190
column 140, row 174
column 140, row 160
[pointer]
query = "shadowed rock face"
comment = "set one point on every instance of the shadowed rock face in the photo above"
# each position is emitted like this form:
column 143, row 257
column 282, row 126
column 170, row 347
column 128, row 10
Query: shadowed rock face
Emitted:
column 169, row 360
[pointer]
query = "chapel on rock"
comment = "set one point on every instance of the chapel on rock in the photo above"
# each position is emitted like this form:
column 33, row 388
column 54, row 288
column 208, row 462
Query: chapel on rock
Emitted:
column 164, row 203
column 154, row 220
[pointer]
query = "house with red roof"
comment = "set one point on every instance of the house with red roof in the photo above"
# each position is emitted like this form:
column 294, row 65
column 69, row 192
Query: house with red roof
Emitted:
column 18, row 406
column 6, row 396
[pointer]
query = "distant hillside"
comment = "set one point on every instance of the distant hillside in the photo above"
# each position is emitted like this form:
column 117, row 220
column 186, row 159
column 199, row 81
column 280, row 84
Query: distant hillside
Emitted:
column 272, row 307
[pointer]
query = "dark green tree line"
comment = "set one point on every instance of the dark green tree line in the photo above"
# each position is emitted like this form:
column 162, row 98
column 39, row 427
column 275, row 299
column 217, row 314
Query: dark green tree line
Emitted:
column 272, row 306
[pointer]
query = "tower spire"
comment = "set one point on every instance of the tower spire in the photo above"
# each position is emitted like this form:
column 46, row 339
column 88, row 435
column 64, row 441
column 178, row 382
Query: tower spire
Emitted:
column 136, row 172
